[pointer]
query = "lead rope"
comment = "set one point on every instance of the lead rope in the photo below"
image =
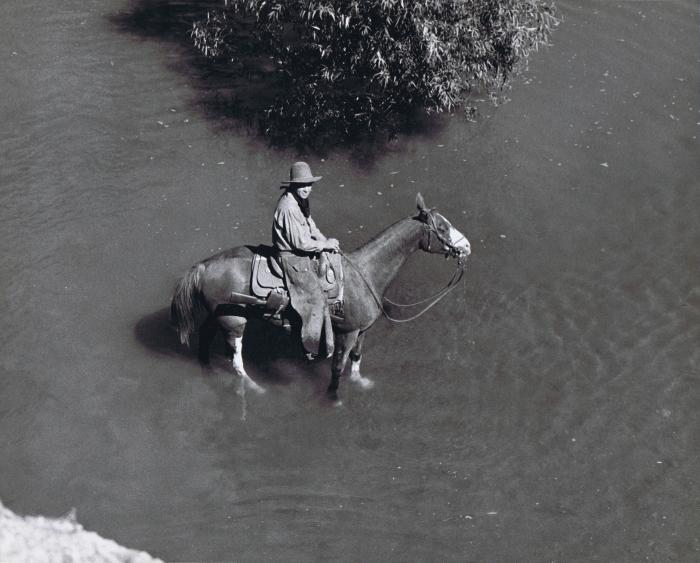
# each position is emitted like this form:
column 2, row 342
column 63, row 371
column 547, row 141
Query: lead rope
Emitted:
column 438, row 296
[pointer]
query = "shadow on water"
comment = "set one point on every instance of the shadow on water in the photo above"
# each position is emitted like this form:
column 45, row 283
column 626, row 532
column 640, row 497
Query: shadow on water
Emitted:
column 271, row 355
column 155, row 333
column 233, row 98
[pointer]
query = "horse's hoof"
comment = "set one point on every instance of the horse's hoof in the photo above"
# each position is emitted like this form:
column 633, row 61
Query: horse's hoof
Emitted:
column 206, row 369
column 259, row 390
column 365, row 383
column 334, row 399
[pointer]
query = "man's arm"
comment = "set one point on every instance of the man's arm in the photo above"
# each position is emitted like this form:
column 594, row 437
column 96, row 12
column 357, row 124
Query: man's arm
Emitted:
column 328, row 243
column 315, row 232
column 292, row 224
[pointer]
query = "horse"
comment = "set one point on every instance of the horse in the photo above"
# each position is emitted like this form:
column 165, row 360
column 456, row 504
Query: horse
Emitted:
column 368, row 272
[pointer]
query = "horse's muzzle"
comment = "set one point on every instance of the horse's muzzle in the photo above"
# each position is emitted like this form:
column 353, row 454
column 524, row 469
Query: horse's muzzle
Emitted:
column 460, row 254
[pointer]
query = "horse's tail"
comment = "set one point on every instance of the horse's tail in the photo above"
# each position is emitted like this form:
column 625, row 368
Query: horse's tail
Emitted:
column 186, row 301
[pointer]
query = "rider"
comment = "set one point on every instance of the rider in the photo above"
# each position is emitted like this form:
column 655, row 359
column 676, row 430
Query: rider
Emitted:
column 297, row 240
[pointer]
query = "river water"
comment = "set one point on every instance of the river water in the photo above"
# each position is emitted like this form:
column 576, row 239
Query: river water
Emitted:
column 545, row 411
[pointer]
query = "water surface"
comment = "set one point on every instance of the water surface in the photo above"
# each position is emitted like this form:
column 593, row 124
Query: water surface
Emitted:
column 546, row 411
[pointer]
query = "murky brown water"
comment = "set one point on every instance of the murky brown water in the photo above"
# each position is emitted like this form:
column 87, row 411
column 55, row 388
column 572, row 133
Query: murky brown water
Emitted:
column 548, row 411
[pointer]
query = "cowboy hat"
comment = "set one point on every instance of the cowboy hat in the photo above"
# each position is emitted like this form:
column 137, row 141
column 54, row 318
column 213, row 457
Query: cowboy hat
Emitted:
column 300, row 173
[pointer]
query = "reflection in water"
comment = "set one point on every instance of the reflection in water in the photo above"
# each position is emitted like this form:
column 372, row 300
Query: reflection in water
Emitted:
column 553, row 400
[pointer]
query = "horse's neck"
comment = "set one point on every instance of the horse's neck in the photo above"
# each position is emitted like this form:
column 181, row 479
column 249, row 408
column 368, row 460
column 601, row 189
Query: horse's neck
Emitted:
column 382, row 257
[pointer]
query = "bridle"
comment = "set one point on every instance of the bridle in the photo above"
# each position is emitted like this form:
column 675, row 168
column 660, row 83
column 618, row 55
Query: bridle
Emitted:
column 451, row 249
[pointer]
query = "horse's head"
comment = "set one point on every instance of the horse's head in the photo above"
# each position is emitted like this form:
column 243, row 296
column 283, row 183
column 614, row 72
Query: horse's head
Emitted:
column 440, row 236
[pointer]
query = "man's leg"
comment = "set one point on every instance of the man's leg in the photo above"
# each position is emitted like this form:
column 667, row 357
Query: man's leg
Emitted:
column 313, row 324
column 308, row 300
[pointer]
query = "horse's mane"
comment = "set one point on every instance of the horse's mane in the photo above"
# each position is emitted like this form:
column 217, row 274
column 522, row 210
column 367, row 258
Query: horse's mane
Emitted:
column 247, row 250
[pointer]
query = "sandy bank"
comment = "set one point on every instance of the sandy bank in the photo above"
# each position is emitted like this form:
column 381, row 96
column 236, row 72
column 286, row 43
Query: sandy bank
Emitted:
column 39, row 539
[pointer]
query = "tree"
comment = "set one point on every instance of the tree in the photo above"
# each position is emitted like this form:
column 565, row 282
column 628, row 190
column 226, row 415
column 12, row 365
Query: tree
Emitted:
column 351, row 66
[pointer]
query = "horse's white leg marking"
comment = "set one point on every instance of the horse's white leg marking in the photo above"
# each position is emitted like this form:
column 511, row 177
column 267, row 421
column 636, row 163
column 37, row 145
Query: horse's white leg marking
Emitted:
column 237, row 363
column 356, row 377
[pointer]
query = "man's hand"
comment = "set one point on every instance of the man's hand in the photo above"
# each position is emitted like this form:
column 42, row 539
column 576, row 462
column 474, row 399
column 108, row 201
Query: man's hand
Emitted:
column 332, row 244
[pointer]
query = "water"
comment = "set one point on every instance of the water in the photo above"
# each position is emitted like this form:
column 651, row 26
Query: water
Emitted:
column 547, row 410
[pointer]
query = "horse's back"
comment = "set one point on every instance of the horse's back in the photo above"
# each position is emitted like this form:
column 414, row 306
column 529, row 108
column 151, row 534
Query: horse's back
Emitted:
column 237, row 252
column 227, row 271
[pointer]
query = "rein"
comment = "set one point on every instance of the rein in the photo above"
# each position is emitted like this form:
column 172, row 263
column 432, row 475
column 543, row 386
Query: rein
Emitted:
column 437, row 297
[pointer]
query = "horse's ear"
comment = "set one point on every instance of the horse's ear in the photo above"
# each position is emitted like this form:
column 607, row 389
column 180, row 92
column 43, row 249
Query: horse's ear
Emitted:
column 420, row 203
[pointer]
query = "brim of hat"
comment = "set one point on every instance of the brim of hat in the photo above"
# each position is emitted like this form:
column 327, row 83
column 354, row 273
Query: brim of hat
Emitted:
column 301, row 181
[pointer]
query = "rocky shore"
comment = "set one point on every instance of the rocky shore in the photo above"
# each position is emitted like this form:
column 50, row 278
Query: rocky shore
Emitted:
column 39, row 539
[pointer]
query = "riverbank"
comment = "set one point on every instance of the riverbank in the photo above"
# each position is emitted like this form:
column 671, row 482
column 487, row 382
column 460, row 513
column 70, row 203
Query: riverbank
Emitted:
column 36, row 538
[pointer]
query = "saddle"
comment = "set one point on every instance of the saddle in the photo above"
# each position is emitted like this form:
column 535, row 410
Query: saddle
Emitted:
column 267, row 276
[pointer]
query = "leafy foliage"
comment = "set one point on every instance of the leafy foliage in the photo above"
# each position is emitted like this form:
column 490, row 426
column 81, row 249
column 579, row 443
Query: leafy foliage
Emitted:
column 351, row 66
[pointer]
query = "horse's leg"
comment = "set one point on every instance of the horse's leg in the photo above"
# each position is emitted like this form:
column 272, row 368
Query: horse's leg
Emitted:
column 356, row 358
column 343, row 344
column 233, row 328
column 207, row 332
